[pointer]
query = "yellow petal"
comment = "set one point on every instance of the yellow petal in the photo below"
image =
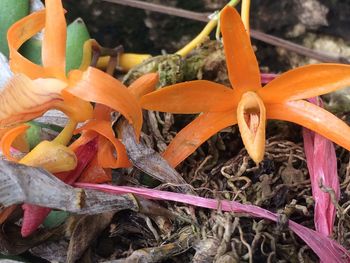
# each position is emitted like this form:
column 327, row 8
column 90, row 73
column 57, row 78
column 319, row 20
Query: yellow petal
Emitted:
column 251, row 118
column 51, row 156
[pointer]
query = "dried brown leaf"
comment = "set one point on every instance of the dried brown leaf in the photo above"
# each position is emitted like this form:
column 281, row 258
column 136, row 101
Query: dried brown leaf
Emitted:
column 24, row 184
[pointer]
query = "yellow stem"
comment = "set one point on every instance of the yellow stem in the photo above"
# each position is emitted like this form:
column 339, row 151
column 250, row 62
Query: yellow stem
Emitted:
column 198, row 39
column 66, row 134
column 245, row 14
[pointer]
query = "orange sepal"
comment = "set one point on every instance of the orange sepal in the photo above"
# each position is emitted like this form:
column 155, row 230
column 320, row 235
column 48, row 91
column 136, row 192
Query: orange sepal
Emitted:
column 313, row 118
column 251, row 118
column 191, row 97
column 9, row 137
column 102, row 112
column 19, row 33
column 144, row 85
column 306, row 82
column 23, row 99
column 106, row 153
column 97, row 86
column 243, row 68
column 74, row 107
column 108, row 145
column 54, row 42
column 196, row 133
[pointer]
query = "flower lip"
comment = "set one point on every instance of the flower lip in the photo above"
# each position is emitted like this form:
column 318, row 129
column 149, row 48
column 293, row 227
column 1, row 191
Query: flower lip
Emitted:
column 251, row 118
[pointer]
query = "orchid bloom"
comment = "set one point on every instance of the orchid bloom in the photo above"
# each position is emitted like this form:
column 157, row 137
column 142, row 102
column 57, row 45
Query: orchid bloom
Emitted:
column 249, row 104
column 100, row 127
column 34, row 89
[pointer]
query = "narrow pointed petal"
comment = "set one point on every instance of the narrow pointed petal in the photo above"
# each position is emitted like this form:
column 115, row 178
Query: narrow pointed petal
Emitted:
column 196, row 133
column 243, row 68
column 97, row 86
column 19, row 33
column 23, row 99
column 144, row 85
column 54, row 42
column 251, row 118
column 306, row 82
column 190, row 97
column 312, row 117
column 8, row 139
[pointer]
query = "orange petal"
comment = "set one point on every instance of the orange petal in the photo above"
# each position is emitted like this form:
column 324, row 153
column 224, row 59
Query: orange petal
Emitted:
column 54, row 42
column 102, row 112
column 306, row 82
column 97, row 86
column 313, row 118
column 95, row 174
column 251, row 118
column 23, row 99
column 196, row 133
column 9, row 137
column 74, row 107
column 191, row 97
column 106, row 153
column 19, row 33
column 243, row 68
column 144, row 84
column 107, row 146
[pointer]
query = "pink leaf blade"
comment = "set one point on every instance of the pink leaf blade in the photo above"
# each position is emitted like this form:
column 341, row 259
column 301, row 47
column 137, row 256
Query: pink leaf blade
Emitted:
column 326, row 248
column 322, row 166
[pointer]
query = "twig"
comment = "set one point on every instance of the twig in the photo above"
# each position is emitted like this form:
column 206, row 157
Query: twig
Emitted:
column 272, row 40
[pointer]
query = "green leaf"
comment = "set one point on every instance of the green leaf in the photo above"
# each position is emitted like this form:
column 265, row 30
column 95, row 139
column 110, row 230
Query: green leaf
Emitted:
column 33, row 135
column 11, row 11
column 77, row 34
column 55, row 218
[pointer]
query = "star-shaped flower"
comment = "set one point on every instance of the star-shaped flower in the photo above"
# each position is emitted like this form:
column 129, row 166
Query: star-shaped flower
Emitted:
column 248, row 103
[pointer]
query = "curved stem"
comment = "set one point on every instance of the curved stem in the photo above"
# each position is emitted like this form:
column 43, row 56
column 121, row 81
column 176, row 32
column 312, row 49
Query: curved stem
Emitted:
column 66, row 134
column 217, row 33
column 245, row 14
column 200, row 38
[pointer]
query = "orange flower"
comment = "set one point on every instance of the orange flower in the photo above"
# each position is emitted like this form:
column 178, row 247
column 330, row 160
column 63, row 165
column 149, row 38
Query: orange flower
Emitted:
column 111, row 152
column 34, row 89
column 249, row 104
